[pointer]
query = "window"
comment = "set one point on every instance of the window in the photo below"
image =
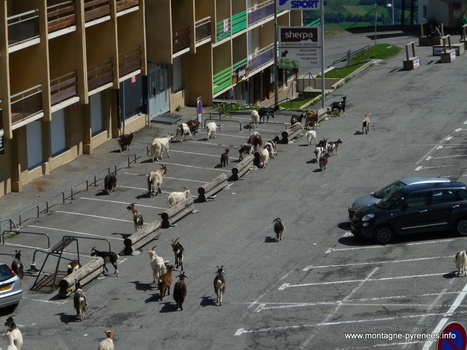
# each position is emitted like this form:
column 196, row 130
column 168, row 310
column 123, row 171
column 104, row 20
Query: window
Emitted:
column 443, row 196
column 417, row 199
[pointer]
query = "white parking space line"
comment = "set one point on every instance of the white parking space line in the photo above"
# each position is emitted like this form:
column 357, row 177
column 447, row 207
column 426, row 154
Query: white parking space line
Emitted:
column 118, row 202
column 268, row 291
column 74, row 232
column 332, row 249
column 310, row 267
column 448, row 314
column 92, row 216
column 198, row 154
column 288, row 285
column 241, row 331
column 338, row 306
column 447, row 138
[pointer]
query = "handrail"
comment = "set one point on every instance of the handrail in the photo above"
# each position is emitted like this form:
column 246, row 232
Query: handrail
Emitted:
column 76, row 185
column 64, row 238
column 100, row 171
column 32, row 12
column 27, row 232
column 12, row 223
column 24, row 211
column 48, row 200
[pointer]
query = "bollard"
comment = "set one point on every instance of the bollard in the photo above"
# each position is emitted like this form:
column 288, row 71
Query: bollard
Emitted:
column 172, row 215
column 241, row 168
column 83, row 275
column 141, row 237
column 212, row 187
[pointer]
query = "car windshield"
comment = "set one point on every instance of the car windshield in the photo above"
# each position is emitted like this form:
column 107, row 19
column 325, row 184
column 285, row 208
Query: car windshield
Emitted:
column 5, row 273
column 391, row 201
column 388, row 189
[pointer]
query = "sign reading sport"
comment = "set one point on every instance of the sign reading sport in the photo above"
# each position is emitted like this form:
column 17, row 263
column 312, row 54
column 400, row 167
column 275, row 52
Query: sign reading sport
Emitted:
column 298, row 4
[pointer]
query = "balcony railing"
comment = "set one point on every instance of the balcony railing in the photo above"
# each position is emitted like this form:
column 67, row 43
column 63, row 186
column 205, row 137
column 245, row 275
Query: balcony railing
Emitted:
column 61, row 16
column 231, row 25
column 125, row 4
column 262, row 58
column 129, row 61
column 23, row 27
column 100, row 74
column 26, row 104
column 203, row 29
column 260, row 12
column 63, row 88
column 227, row 76
column 94, row 9
column 181, row 39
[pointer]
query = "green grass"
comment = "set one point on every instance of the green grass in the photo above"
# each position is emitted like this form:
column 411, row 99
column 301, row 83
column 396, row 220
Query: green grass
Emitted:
column 294, row 105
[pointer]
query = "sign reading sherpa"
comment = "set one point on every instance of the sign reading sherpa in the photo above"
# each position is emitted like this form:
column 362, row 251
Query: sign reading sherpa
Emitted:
column 298, row 37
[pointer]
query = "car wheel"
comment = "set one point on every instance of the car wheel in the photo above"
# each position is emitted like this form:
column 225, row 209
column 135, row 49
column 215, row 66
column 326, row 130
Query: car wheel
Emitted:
column 383, row 234
column 461, row 227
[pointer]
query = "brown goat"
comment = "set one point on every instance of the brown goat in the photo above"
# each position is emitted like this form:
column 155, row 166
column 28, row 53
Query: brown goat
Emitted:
column 323, row 161
column 225, row 158
column 165, row 281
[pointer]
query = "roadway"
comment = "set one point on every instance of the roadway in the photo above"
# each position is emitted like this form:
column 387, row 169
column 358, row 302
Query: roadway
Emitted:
column 317, row 288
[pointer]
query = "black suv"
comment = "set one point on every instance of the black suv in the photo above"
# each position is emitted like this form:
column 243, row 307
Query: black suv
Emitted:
column 414, row 209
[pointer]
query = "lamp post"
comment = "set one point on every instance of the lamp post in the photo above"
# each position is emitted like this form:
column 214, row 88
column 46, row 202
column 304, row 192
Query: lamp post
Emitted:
column 391, row 6
column 376, row 20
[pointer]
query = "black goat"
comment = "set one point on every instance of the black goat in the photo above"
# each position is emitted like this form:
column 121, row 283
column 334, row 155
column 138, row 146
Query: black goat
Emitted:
column 225, row 158
column 267, row 112
column 124, row 140
column 17, row 265
column 340, row 106
column 279, row 229
column 110, row 182
column 178, row 253
column 179, row 291
column 109, row 257
column 297, row 118
column 219, row 284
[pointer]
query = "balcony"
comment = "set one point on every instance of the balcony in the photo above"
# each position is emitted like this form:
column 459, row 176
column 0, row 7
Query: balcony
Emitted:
column 100, row 74
column 181, row 39
column 260, row 12
column 231, row 25
column 94, row 9
column 203, row 30
column 26, row 104
column 61, row 16
column 63, row 88
column 227, row 77
column 129, row 62
column 23, row 27
column 263, row 57
column 122, row 5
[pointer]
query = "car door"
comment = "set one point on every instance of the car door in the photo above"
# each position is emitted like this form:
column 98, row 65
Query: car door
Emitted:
column 444, row 202
column 414, row 216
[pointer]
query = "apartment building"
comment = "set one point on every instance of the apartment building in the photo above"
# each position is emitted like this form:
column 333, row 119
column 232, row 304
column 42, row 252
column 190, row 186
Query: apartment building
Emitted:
column 76, row 73
column 63, row 68
column 217, row 49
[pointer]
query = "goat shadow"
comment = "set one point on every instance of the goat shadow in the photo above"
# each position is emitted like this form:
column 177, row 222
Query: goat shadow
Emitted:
column 142, row 286
column 168, row 307
column 153, row 298
column 219, row 166
column 270, row 239
column 144, row 195
column 312, row 161
column 102, row 193
column 66, row 318
column 207, row 301
column 452, row 274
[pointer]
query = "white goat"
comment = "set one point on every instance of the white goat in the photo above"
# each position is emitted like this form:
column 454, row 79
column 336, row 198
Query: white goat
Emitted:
column 263, row 156
column 254, row 118
column 245, row 149
column 157, row 264
column 80, row 302
column 311, row 136
column 155, row 180
column 256, row 140
column 366, row 124
column 271, row 146
column 177, row 197
column 158, row 145
column 461, row 262
column 13, row 332
column 318, row 152
column 211, row 129
column 183, row 130
column 107, row 344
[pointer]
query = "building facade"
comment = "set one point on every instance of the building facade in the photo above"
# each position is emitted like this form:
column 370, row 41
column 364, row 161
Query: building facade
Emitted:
column 76, row 73
column 62, row 65
column 217, row 49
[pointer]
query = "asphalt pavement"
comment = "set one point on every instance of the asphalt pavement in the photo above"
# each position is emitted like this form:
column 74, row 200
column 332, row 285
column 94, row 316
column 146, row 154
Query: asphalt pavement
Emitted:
column 62, row 179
